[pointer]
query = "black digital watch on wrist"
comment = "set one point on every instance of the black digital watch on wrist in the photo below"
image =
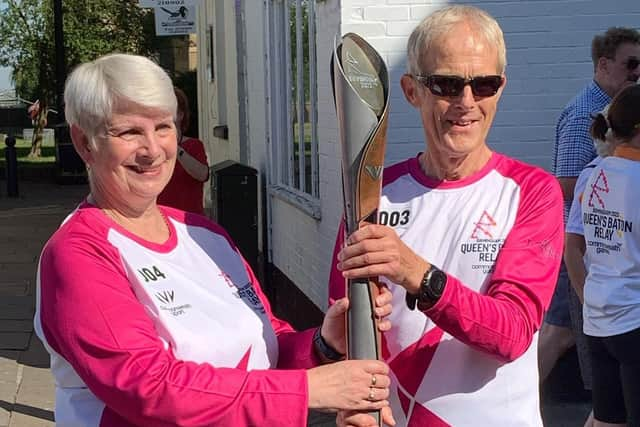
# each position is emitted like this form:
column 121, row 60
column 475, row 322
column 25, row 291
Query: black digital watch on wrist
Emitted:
column 431, row 288
column 325, row 349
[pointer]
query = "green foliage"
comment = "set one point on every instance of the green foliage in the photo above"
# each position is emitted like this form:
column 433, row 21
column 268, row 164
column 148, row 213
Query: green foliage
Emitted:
column 23, row 148
column 22, row 24
column 304, row 21
column 91, row 28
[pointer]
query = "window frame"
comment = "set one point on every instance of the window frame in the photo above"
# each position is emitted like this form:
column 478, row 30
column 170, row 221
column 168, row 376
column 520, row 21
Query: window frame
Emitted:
column 283, row 181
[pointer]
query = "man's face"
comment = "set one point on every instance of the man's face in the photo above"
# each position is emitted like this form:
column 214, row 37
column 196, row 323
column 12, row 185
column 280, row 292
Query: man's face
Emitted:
column 620, row 71
column 456, row 126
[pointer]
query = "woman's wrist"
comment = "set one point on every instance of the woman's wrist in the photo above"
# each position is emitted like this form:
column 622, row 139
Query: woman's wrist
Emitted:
column 324, row 349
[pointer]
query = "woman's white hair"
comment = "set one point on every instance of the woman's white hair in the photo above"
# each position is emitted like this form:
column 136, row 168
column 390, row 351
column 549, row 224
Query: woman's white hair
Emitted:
column 440, row 22
column 95, row 89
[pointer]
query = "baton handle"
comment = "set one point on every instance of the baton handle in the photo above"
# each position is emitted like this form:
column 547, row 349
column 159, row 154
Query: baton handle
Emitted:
column 363, row 336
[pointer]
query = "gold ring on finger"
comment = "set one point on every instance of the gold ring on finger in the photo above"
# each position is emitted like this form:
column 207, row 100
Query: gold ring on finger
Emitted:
column 372, row 395
column 374, row 380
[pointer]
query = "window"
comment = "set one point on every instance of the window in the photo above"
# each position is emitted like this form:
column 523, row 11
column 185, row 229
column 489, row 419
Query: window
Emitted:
column 211, row 74
column 293, row 105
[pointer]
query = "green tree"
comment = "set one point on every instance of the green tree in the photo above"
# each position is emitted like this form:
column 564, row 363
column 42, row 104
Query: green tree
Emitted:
column 91, row 28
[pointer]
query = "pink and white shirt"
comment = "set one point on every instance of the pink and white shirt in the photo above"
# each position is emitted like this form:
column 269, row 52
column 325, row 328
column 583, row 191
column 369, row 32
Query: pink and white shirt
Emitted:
column 471, row 359
column 172, row 334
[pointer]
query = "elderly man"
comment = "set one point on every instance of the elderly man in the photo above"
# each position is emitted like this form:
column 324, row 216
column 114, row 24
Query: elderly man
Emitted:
column 473, row 260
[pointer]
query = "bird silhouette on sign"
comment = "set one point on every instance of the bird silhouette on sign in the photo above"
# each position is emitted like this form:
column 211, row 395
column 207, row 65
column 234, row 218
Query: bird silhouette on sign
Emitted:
column 182, row 12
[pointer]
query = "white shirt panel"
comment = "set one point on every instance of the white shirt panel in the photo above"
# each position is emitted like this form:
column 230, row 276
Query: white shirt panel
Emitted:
column 188, row 314
column 610, row 218
column 465, row 245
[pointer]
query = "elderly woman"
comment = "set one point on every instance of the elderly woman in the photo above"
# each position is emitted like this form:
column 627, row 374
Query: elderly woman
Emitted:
column 151, row 316
column 610, row 216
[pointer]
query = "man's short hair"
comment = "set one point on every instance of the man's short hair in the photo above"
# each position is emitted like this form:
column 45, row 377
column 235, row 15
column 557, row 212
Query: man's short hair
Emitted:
column 440, row 22
column 606, row 45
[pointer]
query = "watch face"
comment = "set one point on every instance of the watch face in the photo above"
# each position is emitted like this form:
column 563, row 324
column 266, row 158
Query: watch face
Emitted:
column 437, row 281
column 432, row 285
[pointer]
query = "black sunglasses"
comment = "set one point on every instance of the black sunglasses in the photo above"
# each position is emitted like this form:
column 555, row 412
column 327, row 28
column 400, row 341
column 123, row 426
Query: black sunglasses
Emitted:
column 632, row 63
column 482, row 86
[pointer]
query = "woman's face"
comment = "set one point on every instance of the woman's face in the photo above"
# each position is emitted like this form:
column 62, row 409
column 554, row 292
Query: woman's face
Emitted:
column 134, row 161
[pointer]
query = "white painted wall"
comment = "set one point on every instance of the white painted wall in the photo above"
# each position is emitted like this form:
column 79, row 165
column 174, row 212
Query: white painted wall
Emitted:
column 548, row 54
column 207, row 109
column 218, row 101
column 256, row 94
column 217, row 98
column 301, row 246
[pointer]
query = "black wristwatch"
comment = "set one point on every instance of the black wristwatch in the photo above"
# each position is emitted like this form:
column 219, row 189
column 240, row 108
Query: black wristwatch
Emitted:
column 431, row 288
column 325, row 349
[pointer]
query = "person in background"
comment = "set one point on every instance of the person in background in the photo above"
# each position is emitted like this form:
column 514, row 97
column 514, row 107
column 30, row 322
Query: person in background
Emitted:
column 473, row 256
column 185, row 189
column 616, row 63
column 612, row 259
column 150, row 314
column 574, row 246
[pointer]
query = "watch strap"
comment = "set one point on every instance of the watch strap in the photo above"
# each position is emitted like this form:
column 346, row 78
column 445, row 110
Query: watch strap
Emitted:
column 411, row 300
column 325, row 349
column 425, row 293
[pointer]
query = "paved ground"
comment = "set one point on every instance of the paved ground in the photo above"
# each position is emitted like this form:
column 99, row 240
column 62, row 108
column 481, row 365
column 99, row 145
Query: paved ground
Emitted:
column 26, row 386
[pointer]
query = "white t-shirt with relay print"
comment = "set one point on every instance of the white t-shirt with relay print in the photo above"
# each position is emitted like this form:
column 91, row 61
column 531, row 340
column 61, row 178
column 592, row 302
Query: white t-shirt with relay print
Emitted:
column 611, row 218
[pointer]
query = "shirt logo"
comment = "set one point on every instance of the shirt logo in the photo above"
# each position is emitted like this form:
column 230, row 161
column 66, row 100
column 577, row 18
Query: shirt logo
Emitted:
column 482, row 227
column 165, row 297
column 600, row 184
column 249, row 296
column 482, row 248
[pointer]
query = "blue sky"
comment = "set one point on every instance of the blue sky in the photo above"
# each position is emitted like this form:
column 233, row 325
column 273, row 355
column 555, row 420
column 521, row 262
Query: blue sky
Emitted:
column 5, row 82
